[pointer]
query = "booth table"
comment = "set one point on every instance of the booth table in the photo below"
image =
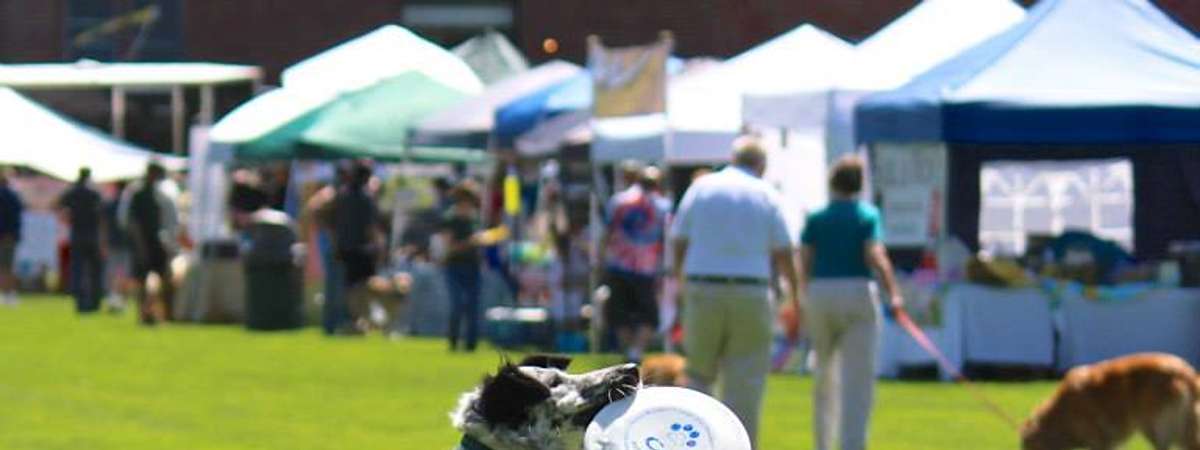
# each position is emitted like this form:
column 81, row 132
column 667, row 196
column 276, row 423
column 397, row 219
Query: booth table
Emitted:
column 1160, row 320
column 986, row 325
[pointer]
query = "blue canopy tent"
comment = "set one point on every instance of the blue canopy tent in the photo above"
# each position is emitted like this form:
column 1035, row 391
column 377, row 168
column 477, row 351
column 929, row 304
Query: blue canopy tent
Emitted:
column 470, row 122
column 554, row 114
column 522, row 115
column 1077, row 79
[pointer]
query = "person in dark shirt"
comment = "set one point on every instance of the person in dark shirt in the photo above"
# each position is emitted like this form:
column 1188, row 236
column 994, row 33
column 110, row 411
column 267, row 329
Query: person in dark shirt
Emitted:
column 82, row 206
column 147, row 232
column 460, row 229
column 357, row 241
column 11, row 208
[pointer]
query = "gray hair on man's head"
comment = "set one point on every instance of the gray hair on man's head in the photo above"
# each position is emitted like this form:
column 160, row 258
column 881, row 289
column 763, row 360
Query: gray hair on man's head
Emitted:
column 631, row 170
column 748, row 152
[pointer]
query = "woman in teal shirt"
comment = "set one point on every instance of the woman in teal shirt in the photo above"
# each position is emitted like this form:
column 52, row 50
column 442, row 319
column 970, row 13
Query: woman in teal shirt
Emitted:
column 842, row 244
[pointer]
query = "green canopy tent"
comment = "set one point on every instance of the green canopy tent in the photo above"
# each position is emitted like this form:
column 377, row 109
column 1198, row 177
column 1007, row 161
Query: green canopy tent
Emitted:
column 354, row 100
column 372, row 122
column 375, row 122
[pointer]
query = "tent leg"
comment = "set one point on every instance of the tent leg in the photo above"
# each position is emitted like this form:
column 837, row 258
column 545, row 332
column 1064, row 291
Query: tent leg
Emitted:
column 117, row 112
column 178, row 119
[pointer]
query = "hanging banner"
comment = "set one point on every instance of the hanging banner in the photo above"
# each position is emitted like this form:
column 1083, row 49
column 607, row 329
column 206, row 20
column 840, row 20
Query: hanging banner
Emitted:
column 629, row 81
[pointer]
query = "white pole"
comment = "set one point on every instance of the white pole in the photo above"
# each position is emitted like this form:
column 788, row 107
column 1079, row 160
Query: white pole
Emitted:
column 178, row 119
column 117, row 112
column 208, row 104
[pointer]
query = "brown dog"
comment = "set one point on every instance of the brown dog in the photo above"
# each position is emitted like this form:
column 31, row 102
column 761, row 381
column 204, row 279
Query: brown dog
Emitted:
column 664, row 370
column 1099, row 406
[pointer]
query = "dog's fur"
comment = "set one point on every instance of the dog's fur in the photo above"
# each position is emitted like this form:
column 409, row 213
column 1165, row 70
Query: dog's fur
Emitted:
column 1099, row 406
column 536, row 405
column 667, row 369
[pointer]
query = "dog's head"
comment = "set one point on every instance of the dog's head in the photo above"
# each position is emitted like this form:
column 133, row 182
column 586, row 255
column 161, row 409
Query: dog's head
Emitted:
column 537, row 405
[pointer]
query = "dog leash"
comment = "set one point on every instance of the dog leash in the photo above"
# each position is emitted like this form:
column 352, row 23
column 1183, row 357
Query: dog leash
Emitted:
column 923, row 340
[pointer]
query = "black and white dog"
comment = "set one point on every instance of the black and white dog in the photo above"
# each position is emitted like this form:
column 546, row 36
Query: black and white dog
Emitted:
column 536, row 405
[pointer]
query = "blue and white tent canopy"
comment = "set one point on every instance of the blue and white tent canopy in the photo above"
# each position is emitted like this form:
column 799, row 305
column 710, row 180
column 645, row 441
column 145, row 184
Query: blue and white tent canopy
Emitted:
column 927, row 35
column 931, row 33
column 472, row 120
column 1075, row 71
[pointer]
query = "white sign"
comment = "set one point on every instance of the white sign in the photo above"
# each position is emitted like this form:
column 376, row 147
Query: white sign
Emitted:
column 906, row 212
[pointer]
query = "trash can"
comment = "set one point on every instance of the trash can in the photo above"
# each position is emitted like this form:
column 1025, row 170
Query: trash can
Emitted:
column 274, row 297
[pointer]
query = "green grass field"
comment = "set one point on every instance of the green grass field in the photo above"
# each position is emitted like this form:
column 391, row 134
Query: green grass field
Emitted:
column 102, row 382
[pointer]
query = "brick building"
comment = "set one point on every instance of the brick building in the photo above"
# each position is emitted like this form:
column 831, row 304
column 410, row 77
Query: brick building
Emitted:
column 277, row 33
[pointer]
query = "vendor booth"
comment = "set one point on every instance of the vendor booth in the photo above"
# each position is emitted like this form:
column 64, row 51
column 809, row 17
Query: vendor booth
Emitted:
column 1107, row 87
column 359, row 99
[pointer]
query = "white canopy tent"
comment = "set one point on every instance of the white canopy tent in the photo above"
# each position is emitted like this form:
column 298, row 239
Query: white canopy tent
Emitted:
column 388, row 51
column 40, row 139
column 118, row 78
column 491, row 56
column 786, row 79
column 929, row 34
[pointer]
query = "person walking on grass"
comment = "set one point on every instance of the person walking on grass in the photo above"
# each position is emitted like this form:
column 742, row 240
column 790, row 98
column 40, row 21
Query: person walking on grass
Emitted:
column 150, row 219
column 841, row 245
column 359, row 243
column 632, row 252
column 727, row 233
column 83, row 208
column 460, row 231
column 11, row 209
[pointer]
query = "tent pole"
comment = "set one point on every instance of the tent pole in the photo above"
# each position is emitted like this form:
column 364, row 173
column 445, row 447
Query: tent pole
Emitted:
column 208, row 104
column 117, row 112
column 177, row 119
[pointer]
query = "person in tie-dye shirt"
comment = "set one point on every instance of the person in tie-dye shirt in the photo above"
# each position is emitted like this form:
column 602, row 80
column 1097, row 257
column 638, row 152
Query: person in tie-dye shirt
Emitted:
column 632, row 252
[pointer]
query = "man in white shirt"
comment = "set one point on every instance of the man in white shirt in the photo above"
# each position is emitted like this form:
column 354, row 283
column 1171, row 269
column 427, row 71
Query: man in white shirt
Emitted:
column 728, row 231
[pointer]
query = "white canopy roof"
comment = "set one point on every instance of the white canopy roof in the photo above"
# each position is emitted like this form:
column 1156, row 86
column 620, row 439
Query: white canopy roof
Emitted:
column 930, row 33
column 491, row 56
column 386, row 52
column 92, row 74
column 36, row 137
column 786, row 78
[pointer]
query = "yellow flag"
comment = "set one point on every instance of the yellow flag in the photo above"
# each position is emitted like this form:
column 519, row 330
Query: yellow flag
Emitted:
column 512, row 195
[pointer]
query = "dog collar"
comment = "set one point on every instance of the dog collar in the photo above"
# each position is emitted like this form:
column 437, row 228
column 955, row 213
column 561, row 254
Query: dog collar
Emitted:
column 470, row 443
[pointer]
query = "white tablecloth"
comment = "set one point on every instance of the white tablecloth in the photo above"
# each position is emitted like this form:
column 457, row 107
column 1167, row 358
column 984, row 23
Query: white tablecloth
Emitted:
column 1016, row 326
column 898, row 350
column 1164, row 320
column 997, row 326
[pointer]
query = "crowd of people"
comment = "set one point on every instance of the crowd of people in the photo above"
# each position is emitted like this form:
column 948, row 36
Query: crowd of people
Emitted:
column 726, row 247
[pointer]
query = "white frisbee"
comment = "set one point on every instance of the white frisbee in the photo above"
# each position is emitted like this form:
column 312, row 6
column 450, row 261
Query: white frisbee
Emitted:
column 666, row 418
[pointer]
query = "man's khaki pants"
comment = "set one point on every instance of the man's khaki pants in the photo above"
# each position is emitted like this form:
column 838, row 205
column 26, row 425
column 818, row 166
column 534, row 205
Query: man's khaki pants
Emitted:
column 727, row 337
column 843, row 324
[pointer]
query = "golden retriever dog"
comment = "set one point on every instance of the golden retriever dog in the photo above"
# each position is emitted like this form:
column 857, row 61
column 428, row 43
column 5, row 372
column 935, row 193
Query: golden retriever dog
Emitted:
column 667, row 369
column 1099, row 406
